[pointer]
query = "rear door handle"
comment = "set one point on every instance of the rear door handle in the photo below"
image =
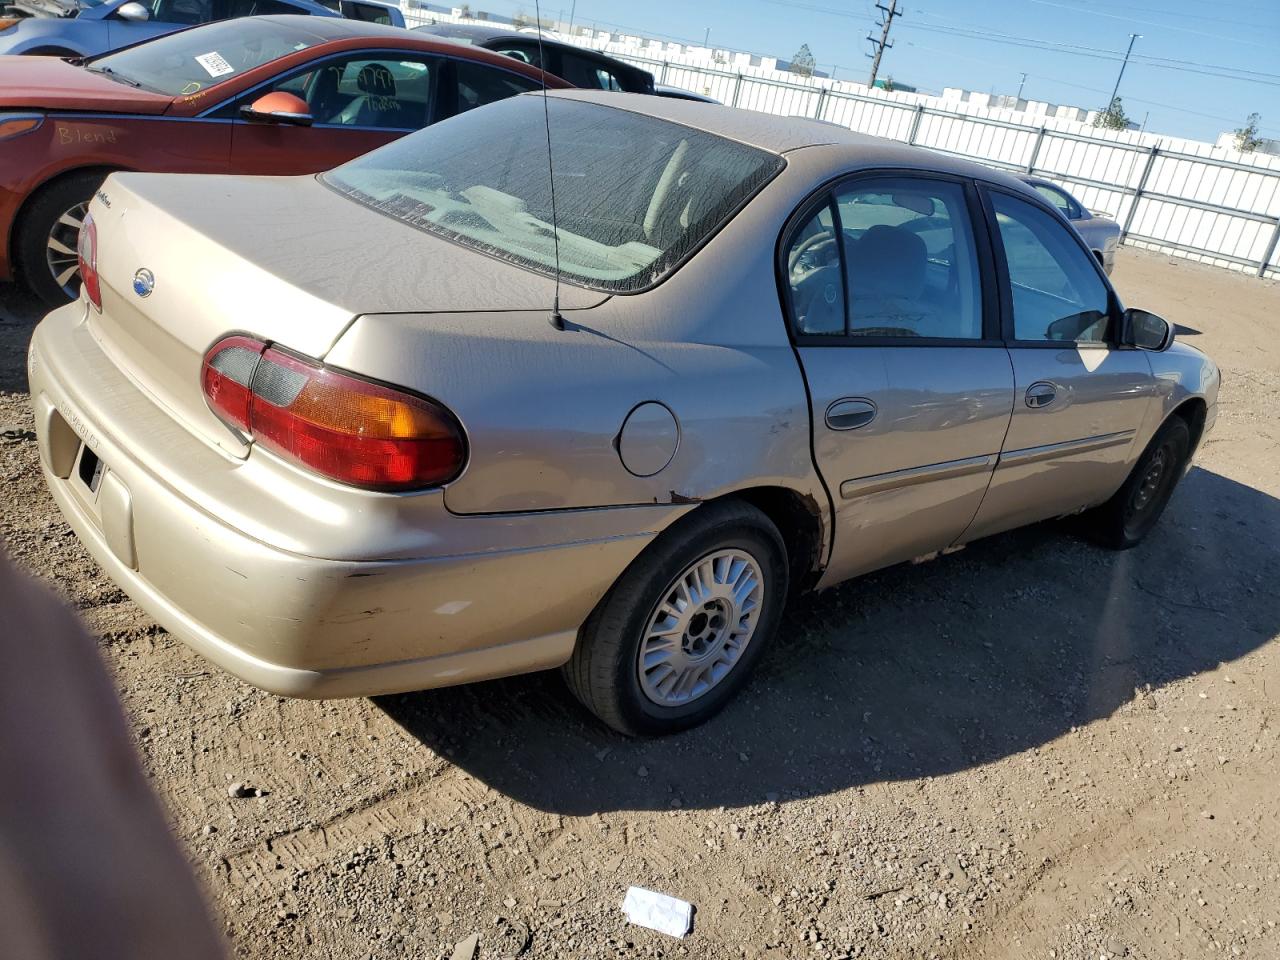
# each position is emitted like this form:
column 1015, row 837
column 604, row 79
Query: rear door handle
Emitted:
column 850, row 413
column 1040, row 395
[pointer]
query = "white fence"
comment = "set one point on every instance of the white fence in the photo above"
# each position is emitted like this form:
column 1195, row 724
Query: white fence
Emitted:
column 1181, row 197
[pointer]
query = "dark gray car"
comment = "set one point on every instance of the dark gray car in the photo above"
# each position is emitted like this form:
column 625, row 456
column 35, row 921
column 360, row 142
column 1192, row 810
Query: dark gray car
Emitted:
column 1098, row 230
column 582, row 68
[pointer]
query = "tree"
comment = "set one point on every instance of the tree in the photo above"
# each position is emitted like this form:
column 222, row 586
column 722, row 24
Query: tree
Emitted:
column 1112, row 118
column 464, row 11
column 802, row 63
column 1247, row 139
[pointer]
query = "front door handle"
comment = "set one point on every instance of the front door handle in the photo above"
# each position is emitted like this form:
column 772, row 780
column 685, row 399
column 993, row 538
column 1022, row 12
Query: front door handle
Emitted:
column 1040, row 395
column 850, row 413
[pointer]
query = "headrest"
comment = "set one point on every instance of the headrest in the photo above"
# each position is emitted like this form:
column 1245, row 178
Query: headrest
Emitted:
column 887, row 262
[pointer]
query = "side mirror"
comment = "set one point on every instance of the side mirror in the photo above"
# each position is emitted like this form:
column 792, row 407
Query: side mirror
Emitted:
column 1146, row 331
column 278, row 107
column 133, row 11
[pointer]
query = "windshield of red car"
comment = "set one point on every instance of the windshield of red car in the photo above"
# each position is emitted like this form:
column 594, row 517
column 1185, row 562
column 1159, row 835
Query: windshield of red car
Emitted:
column 634, row 194
column 184, row 63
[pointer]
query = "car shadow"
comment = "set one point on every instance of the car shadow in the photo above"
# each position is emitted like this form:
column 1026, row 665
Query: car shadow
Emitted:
column 911, row 672
column 19, row 314
column 1182, row 330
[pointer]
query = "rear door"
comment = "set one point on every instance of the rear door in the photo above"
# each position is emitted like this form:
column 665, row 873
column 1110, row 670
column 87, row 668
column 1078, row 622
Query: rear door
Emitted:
column 1080, row 400
column 895, row 319
column 357, row 101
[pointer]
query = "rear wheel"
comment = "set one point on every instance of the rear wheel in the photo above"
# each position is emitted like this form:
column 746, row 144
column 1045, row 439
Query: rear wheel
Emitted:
column 1126, row 519
column 47, row 236
column 680, row 631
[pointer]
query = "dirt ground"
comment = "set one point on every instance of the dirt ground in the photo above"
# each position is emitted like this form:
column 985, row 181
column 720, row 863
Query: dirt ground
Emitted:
column 1032, row 748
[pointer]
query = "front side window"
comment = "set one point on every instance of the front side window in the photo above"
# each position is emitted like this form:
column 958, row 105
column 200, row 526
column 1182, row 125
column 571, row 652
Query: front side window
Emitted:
column 634, row 195
column 587, row 73
column 189, row 12
column 184, row 63
column 910, row 262
column 519, row 50
column 386, row 92
column 1056, row 290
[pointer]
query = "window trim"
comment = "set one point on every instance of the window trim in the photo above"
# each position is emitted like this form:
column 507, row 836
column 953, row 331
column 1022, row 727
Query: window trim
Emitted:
column 825, row 194
column 1114, row 308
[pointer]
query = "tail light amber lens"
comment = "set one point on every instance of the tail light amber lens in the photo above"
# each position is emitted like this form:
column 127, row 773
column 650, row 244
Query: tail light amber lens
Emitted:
column 87, row 254
column 337, row 425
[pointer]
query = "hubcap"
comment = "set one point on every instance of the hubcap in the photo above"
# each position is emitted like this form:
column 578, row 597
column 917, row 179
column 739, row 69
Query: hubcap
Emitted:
column 1145, row 495
column 699, row 629
column 60, row 249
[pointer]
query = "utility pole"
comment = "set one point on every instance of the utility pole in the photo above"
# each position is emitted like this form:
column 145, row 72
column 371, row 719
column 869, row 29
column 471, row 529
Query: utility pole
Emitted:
column 1116, row 89
column 1020, row 85
column 883, row 43
column 706, row 38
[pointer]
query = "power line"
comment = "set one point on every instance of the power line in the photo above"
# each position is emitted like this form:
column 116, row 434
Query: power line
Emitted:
column 1115, row 56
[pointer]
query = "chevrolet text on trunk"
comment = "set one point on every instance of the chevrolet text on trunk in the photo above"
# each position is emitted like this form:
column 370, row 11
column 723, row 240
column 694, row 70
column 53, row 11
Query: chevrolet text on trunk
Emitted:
column 330, row 431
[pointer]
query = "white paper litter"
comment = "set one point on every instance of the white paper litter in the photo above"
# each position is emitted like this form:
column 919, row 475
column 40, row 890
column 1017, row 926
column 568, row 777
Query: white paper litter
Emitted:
column 658, row 912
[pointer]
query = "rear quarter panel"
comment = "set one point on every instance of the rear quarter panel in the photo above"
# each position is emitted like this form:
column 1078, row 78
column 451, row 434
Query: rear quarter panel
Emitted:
column 543, row 408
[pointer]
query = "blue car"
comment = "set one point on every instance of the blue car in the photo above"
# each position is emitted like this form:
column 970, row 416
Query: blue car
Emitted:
column 86, row 28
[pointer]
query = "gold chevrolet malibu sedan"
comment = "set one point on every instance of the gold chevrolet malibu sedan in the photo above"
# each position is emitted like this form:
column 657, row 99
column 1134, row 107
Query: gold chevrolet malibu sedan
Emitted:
column 409, row 423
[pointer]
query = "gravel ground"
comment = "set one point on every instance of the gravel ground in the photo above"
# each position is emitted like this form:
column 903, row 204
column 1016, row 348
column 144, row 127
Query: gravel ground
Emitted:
column 1032, row 748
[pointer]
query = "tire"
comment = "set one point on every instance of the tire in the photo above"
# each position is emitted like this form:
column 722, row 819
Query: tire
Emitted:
column 1125, row 520
column 62, row 52
column 605, row 669
column 43, row 217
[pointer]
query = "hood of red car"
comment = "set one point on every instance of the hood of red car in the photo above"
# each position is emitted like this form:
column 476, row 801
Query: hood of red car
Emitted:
column 47, row 83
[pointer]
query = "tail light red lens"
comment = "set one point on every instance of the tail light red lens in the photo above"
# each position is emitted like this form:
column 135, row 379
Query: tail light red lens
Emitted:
column 338, row 425
column 87, row 254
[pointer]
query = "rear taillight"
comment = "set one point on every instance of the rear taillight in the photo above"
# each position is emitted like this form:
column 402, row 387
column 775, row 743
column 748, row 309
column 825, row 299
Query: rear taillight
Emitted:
column 87, row 253
column 340, row 426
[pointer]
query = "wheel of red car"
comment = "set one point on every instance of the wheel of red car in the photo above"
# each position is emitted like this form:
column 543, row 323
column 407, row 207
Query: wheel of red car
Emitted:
column 47, row 235
column 682, row 628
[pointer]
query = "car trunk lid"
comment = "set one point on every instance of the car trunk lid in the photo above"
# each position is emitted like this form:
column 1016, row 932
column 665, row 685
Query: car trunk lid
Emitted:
column 285, row 260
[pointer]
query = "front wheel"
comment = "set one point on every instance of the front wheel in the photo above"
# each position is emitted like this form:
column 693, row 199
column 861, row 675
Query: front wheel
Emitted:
column 48, row 234
column 1126, row 519
column 680, row 631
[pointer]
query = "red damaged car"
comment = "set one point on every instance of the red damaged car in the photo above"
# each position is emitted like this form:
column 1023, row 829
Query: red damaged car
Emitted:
column 264, row 95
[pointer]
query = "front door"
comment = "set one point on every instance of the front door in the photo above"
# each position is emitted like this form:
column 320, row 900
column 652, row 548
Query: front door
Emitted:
column 1079, row 399
column 911, row 388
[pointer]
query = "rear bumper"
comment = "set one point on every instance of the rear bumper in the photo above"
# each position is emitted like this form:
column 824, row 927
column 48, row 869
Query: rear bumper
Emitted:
column 490, row 596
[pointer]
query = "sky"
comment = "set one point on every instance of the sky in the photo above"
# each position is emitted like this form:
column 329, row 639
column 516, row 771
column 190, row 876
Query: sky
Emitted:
column 1199, row 67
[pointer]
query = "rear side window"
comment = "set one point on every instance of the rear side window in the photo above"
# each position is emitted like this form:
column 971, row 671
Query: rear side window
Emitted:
column 479, row 84
column 1059, row 200
column 634, row 195
column 895, row 258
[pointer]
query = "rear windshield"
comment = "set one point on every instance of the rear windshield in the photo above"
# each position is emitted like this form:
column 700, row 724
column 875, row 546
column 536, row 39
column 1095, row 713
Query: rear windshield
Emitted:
column 634, row 195
column 187, row 62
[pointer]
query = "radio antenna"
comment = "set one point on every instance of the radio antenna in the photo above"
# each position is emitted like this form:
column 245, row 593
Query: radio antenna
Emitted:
column 557, row 320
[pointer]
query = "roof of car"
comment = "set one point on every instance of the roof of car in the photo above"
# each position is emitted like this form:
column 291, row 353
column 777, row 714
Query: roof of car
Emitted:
column 784, row 134
column 462, row 31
